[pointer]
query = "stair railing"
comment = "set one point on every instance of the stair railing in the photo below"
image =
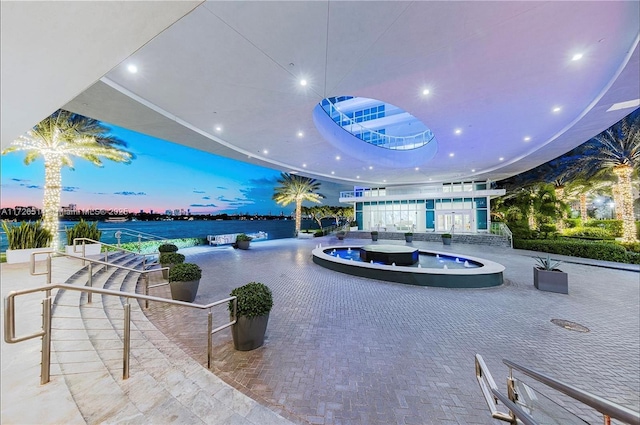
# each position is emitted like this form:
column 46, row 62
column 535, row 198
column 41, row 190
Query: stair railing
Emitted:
column 45, row 332
column 85, row 241
column 516, row 414
column 49, row 270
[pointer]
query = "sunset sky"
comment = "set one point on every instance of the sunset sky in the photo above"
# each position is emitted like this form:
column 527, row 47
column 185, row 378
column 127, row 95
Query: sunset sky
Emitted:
column 163, row 176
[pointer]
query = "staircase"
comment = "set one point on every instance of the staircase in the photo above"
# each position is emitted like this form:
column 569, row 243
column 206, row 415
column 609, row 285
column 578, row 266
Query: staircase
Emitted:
column 165, row 384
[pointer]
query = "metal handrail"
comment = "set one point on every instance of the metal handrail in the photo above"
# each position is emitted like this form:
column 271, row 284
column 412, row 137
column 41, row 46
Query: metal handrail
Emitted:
column 488, row 386
column 130, row 232
column 517, row 411
column 606, row 407
column 501, row 229
column 45, row 332
column 144, row 272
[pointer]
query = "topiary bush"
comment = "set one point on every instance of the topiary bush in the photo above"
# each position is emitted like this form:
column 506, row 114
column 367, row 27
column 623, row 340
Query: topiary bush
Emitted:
column 185, row 272
column 606, row 251
column 254, row 299
column 171, row 258
column 167, row 247
column 83, row 229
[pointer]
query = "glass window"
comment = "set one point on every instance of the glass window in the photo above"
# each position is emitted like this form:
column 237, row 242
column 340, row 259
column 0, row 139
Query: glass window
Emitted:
column 481, row 216
column 431, row 204
column 481, row 202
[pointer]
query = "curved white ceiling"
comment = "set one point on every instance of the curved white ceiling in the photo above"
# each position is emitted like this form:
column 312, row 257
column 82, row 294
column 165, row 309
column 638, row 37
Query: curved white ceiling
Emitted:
column 494, row 70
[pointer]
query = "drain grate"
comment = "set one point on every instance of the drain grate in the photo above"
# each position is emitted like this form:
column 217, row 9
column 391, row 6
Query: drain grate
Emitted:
column 572, row 326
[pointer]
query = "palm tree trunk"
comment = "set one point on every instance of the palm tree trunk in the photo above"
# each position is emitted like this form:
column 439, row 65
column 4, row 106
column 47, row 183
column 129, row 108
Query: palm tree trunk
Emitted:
column 298, row 215
column 52, row 189
column 617, row 196
column 583, row 208
column 560, row 196
column 624, row 191
column 533, row 225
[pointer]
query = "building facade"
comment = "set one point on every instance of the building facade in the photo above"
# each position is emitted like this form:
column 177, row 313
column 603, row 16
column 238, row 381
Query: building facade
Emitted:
column 460, row 207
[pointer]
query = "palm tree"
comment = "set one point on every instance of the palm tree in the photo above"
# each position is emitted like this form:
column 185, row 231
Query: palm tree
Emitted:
column 296, row 189
column 618, row 151
column 57, row 138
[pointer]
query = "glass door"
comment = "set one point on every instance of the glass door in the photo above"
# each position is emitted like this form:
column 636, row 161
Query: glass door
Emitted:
column 458, row 222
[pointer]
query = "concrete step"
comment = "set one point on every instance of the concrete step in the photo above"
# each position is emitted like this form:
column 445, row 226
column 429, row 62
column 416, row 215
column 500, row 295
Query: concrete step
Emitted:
column 165, row 384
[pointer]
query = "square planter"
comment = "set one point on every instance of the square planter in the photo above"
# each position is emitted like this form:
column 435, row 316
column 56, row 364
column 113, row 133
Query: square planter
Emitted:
column 551, row 280
column 248, row 333
column 446, row 241
column 184, row 291
column 15, row 256
column 303, row 235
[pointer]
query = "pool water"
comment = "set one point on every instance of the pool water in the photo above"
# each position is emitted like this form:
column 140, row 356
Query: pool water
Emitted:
column 425, row 260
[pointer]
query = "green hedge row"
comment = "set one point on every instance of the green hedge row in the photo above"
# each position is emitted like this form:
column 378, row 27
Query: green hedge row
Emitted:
column 151, row 247
column 597, row 250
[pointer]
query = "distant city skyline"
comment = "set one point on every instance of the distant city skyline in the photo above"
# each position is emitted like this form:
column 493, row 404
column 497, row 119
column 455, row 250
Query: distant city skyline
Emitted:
column 163, row 176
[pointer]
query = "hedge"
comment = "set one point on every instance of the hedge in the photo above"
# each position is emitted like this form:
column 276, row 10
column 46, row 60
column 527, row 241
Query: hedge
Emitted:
column 151, row 247
column 614, row 227
column 596, row 250
column 588, row 233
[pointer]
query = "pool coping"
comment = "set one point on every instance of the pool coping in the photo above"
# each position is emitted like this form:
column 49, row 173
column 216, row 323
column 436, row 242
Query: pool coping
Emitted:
column 490, row 274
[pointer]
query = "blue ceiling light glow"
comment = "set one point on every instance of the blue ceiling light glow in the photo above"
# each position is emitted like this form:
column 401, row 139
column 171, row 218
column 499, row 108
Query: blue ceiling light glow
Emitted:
column 374, row 131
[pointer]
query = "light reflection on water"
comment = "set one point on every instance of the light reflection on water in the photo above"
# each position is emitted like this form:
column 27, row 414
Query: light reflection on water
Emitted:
column 425, row 260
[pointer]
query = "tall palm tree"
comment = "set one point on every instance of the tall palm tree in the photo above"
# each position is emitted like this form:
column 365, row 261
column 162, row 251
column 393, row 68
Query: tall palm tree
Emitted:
column 57, row 139
column 294, row 188
column 619, row 152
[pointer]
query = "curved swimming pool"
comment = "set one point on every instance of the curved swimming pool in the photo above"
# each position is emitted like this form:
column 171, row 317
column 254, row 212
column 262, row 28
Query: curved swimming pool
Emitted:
column 433, row 268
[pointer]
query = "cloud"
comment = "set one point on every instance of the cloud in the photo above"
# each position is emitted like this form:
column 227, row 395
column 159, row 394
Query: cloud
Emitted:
column 206, row 197
column 70, row 189
column 101, row 193
column 125, row 193
column 203, row 205
column 222, row 187
column 19, row 180
column 31, row 186
column 199, row 191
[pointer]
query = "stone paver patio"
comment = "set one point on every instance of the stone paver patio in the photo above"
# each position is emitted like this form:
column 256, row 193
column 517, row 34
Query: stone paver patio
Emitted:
column 347, row 350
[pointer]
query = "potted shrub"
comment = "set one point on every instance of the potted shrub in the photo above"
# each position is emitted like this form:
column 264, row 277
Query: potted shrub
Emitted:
column 446, row 238
column 254, row 303
column 25, row 239
column 547, row 276
column 341, row 234
column 353, row 225
column 243, row 241
column 170, row 259
column 167, row 247
column 408, row 237
column 374, row 235
column 184, row 279
column 83, row 229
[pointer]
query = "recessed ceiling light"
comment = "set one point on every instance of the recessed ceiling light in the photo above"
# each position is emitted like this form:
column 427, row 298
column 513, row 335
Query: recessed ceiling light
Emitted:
column 132, row 68
column 501, row 158
column 429, row 178
column 458, row 131
column 371, row 167
column 333, row 172
column 300, row 134
column 265, row 151
column 417, row 168
column 473, row 170
column 304, row 165
column 218, row 129
column 451, row 154
column 357, row 177
column 384, row 181
column 527, row 138
column 303, row 82
column 337, row 157
column 556, row 109
column 425, row 92
column 577, row 57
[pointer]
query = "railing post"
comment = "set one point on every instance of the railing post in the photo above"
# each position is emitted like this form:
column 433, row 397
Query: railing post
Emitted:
column 45, row 361
column 90, row 283
column 49, row 271
column 118, row 236
column 209, row 340
column 146, row 289
column 84, row 252
column 139, row 243
column 127, row 340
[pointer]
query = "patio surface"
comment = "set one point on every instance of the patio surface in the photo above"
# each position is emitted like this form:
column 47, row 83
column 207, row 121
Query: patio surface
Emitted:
column 347, row 350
